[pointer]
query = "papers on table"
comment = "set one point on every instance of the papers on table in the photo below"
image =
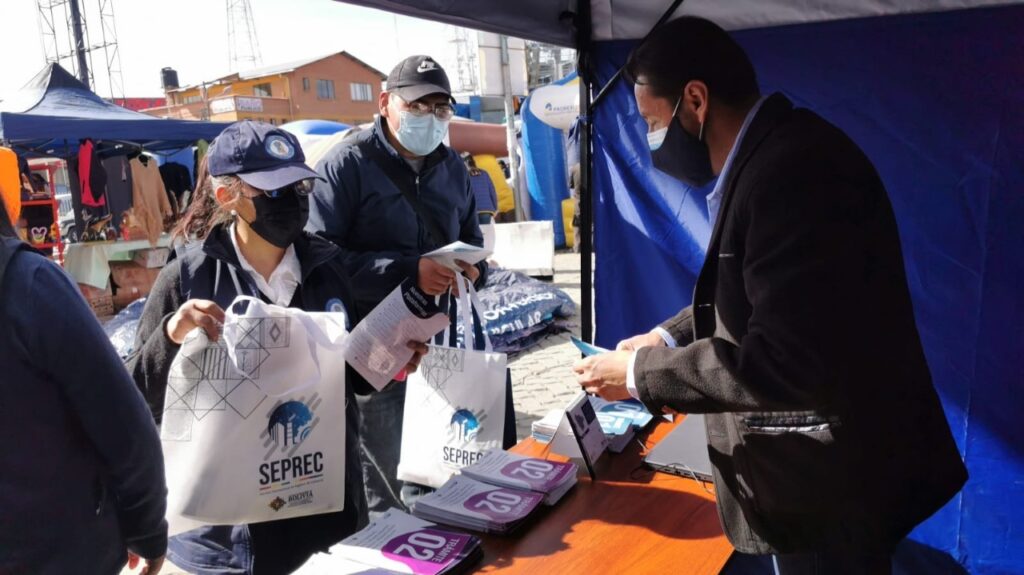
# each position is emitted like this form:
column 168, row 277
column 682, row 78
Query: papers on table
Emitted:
column 620, row 420
column 472, row 504
column 397, row 542
column 551, row 478
column 461, row 251
column 377, row 348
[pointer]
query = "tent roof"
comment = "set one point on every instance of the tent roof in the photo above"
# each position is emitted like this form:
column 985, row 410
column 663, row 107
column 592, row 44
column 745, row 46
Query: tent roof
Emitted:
column 550, row 20
column 54, row 106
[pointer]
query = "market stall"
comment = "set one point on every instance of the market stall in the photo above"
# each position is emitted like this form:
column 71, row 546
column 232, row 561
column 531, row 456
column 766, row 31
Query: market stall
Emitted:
column 111, row 183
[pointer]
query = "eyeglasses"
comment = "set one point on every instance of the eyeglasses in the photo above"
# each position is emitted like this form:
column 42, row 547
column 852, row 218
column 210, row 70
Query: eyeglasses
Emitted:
column 443, row 112
column 300, row 188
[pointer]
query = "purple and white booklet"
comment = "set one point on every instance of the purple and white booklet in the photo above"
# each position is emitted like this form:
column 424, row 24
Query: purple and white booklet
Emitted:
column 400, row 543
column 552, row 478
column 466, row 502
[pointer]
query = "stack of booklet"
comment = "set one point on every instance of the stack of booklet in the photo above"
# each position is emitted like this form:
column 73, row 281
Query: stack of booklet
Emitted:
column 620, row 420
column 552, row 479
column 544, row 429
column 472, row 504
column 397, row 542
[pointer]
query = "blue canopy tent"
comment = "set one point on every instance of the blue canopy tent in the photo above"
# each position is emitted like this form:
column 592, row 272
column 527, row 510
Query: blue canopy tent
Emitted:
column 55, row 110
column 933, row 92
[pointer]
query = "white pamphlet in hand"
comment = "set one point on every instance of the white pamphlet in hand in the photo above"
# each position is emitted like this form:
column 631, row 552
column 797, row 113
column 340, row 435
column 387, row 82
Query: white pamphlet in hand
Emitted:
column 377, row 347
column 461, row 251
column 397, row 542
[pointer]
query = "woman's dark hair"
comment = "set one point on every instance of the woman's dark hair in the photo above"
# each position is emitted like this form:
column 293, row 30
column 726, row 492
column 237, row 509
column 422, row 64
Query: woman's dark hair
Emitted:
column 204, row 213
column 690, row 48
column 6, row 228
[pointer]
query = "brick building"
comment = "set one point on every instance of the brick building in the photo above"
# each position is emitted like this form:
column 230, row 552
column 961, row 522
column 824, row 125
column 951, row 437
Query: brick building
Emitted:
column 337, row 87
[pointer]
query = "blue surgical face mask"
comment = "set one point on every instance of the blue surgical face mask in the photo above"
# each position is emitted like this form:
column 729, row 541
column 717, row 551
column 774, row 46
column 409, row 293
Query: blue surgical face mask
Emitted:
column 421, row 134
column 656, row 138
column 680, row 154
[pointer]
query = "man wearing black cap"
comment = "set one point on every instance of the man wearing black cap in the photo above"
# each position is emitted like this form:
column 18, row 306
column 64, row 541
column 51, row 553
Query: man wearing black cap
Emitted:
column 389, row 195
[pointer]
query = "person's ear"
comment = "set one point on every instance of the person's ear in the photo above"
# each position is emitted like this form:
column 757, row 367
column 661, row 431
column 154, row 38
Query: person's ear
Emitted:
column 382, row 103
column 225, row 197
column 695, row 98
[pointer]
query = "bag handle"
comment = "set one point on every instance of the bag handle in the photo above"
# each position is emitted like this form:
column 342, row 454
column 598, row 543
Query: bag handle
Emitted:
column 316, row 337
column 467, row 299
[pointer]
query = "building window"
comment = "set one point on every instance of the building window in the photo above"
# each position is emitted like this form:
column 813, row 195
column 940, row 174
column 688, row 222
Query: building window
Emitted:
column 193, row 99
column 305, row 84
column 261, row 90
column 325, row 89
column 361, row 92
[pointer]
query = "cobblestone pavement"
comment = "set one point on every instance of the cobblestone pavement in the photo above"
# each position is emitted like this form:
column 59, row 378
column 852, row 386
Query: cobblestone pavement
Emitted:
column 542, row 377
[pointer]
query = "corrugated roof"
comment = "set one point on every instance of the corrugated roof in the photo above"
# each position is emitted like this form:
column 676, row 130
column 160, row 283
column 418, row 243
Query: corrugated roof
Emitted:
column 275, row 69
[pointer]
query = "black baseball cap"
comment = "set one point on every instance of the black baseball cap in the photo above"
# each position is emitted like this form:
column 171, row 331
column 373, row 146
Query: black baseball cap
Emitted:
column 417, row 76
column 262, row 155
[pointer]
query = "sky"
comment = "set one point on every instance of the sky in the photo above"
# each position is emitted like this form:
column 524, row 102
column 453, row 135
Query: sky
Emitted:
column 191, row 37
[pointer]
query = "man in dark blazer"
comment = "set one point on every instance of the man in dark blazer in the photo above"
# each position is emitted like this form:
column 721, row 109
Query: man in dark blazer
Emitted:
column 828, row 440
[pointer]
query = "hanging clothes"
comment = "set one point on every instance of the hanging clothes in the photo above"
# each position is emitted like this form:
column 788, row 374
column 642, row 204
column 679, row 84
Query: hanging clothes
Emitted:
column 119, row 187
column 92, row 178
column 149, row 198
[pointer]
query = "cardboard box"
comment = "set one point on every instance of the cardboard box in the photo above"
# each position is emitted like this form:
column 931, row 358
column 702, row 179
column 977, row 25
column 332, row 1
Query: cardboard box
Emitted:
column 152, row 257
column 131, row 281
column 100, row 300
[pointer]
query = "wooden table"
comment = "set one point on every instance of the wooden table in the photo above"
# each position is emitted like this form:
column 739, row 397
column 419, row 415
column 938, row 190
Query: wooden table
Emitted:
column 630, row 521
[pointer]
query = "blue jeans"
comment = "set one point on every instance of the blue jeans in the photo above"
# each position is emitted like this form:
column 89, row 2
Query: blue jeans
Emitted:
column 380, row 445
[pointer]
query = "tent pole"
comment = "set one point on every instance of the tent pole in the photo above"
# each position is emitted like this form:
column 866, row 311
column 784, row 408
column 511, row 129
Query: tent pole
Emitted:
column 583, row 47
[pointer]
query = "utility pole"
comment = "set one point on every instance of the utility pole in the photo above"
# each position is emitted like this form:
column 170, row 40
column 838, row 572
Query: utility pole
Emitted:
column 510, row 124
column 79, row 48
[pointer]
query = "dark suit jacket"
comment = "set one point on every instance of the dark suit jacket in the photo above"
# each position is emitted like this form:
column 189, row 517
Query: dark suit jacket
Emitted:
column 824, row 428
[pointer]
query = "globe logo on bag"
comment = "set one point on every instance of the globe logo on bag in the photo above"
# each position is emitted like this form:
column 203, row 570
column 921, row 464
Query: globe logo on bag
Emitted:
column 464, row 425
column 290, row 423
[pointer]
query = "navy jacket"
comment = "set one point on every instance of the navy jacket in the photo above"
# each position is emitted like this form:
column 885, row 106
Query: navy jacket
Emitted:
column 81, row 470
column 278, row 546
column 361, row 210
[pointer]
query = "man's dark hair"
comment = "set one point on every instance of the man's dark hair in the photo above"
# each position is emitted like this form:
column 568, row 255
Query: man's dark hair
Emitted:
column 690, row 48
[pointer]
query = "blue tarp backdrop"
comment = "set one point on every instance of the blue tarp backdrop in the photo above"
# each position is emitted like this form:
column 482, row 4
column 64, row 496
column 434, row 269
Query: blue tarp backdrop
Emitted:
column 937, row 102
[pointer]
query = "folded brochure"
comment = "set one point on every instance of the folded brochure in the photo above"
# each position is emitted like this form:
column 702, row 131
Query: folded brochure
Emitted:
column 504, row 469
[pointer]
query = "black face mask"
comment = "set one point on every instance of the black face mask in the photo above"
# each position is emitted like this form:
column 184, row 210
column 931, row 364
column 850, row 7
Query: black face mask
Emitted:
column 683, row 156
column 281, row 220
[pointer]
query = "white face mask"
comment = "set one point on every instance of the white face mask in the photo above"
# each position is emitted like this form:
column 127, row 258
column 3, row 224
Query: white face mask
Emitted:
column 656, row 138
column 421, row 134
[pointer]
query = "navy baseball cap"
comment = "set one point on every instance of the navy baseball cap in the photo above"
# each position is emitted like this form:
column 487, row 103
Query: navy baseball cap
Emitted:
column 262, row 155
column 418, row 76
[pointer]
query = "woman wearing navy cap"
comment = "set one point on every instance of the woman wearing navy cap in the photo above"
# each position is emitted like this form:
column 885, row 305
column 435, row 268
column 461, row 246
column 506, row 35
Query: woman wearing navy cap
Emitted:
column 247, row 220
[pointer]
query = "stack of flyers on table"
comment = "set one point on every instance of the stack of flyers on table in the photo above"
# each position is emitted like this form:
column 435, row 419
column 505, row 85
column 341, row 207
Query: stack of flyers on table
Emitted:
column 620, row 420
column 551, row 478
column 468, row 503
column 397, row 542
column 544, row 429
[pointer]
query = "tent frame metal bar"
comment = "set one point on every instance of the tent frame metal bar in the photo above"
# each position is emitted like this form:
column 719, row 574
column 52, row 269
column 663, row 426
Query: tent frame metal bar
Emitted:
column 584, row 68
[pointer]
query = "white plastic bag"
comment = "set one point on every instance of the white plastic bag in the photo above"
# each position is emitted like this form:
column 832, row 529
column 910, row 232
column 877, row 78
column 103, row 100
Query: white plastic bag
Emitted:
column 454, row 405
column 254, row 424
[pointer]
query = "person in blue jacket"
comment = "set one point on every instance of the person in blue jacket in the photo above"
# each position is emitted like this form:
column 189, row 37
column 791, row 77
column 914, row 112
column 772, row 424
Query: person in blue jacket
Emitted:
column 388, row 196
column 81, row 471
column 247, row 219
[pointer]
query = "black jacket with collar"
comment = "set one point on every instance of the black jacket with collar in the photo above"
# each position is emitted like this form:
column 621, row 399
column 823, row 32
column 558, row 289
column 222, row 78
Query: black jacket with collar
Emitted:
column 193, row 275
column 358, row 207
column 824, row 428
